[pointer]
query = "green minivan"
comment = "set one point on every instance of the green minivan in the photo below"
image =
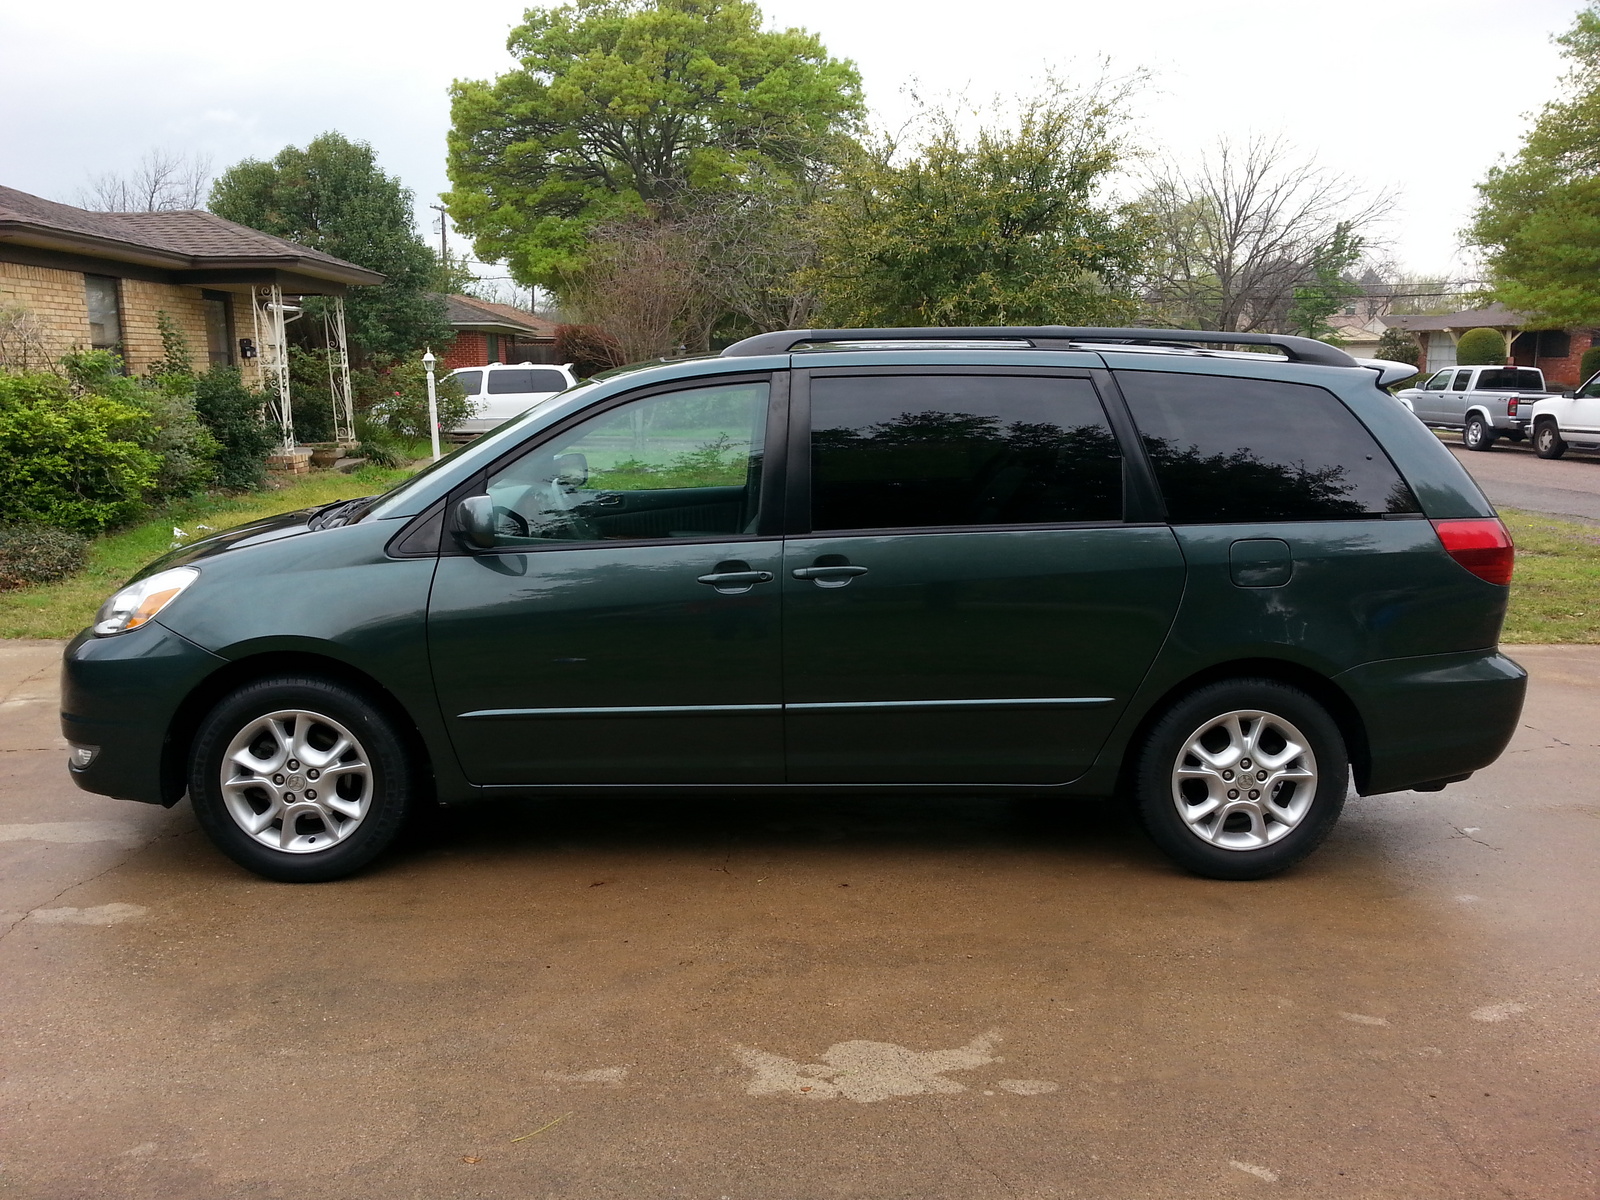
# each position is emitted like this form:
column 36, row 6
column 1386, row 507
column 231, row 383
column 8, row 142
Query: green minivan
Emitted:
column 1045, row 561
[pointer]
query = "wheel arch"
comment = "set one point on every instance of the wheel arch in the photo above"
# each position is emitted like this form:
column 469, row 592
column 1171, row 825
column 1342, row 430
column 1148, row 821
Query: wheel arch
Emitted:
column 186, row 719
column 1319, row 687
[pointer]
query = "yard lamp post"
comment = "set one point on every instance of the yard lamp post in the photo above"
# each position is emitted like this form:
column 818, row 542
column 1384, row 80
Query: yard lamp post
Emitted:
column 433, row 402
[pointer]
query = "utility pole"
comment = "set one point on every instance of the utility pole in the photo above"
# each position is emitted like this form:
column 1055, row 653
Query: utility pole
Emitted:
column 444, row 224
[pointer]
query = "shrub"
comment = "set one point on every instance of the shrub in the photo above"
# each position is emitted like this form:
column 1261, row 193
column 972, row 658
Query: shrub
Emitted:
column 232, row 414
column 1396, row 345
column 400, row 407
column 1589, row 363
column 172, row 429
column 588, row 348
column 38, row 554
column 1481, row 348
column 70, row 460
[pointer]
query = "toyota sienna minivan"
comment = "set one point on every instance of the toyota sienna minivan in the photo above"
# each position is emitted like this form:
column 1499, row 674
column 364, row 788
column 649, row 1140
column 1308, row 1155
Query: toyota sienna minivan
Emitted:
column 1050, row 562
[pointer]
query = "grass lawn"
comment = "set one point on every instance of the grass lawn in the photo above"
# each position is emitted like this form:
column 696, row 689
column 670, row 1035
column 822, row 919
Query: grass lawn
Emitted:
column 61, row 609
column 1555, row 592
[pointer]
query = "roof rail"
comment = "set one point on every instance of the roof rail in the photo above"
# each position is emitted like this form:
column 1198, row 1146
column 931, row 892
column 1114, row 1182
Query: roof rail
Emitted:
column 1044, row 337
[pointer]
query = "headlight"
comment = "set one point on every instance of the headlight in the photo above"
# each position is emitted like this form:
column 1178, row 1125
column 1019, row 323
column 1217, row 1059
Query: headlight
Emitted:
column 139, row 602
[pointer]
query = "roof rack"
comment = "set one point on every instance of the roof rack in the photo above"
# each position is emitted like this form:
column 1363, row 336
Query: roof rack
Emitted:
column 1045, row 337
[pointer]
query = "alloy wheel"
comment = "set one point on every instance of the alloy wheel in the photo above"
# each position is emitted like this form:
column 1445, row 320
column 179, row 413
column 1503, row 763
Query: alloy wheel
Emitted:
column 1244, row 780
column 296, row 781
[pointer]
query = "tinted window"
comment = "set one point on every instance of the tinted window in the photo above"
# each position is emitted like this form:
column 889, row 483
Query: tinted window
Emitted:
column 1509, row 379
column 1258, row 450
column 470, row 381
column 902, row 451
column 526, row 379
column 684, row 464
column 1463, row 381
column 1590, row 389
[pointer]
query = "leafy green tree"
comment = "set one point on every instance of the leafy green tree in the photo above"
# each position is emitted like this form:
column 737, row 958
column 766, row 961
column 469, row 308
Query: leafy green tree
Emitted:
column 1006, row 227
column 1481, row 348
column 1397, row 345
column 332, row 196
column 1538, row 217
column 1328, row 288
column 623, row 105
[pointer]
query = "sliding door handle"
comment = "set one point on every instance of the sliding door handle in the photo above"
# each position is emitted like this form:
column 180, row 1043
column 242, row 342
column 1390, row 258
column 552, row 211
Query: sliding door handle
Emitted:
column 834, row 576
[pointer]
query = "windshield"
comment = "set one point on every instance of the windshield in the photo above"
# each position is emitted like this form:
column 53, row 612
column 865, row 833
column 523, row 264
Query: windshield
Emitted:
column 1510, row 379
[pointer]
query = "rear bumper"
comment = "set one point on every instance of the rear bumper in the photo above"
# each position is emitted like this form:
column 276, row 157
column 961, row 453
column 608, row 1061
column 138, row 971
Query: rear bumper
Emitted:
column 1437, row 717
column 119, row 695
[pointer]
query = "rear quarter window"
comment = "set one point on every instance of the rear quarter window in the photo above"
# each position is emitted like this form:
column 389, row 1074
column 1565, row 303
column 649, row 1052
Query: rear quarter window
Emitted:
column 1227, row 449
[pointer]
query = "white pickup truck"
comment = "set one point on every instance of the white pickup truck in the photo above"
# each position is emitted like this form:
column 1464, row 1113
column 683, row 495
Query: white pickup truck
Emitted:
column 1485, row 403
column 1563, row 421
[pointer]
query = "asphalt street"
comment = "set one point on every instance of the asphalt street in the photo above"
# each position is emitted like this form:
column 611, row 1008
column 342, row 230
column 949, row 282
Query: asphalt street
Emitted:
column 1513, row 476
column 799, row 999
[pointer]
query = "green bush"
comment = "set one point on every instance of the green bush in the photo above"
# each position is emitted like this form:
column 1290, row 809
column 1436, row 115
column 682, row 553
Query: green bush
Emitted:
column 232, row 414
column 171, row 430
column 1589, row 363
column 68, row 459
column 32, row 554
column 400, row 405
column 1396, row 345
column 1481, row 348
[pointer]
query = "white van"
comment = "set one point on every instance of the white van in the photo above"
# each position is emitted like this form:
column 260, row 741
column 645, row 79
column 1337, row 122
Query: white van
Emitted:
column 501, row 391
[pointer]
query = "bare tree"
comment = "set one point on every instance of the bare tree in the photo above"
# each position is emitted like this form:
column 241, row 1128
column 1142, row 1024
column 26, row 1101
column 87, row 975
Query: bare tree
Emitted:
column 24, row 340
column 164, row 181
column 643, row 287
column 1239, row 238
column 752, row 246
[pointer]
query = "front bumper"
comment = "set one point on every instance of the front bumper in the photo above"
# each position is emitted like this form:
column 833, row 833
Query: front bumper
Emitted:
column 120, row 694
column 1436, row 717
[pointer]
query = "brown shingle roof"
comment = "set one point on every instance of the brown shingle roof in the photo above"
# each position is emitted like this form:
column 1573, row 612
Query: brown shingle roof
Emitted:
column 1473, row 318
column 189, row 239
column 468, row 312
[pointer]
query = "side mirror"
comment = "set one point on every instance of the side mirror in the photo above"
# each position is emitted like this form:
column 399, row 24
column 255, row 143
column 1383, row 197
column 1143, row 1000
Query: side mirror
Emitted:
column 475, row 521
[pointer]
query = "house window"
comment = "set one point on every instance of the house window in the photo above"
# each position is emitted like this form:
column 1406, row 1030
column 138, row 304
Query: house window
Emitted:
column 219, row 328
column 493, row 341
column 105, row 312
column 1554, row 343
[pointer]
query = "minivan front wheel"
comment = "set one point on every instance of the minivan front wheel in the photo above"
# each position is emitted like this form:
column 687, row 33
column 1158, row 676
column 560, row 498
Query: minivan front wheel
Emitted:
column 299, row 779
column 1242, row 779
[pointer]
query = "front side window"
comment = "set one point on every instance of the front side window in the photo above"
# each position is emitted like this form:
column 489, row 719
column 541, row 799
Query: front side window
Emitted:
column 684, row 464
column 471, row 381
column 1591, row 389
column 1439, row 382
column 1229, row 449
column 105, row 312
column 912, row 451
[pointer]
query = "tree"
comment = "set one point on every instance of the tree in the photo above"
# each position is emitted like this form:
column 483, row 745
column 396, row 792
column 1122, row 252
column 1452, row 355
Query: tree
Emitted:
column 164, row 181
column 332, row 196
column 1009, row 226
column 1253, row 239
column 1538, row 216
column 623, row 106
column 1397, row 345
column 1481, row 348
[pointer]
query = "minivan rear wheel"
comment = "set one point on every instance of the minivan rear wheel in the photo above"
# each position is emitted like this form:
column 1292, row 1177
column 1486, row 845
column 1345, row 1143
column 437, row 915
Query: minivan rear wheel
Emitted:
column 299, row 779
column 1242, row 779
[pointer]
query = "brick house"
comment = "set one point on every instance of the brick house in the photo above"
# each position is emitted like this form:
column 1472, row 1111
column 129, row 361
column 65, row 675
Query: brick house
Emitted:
column 1556, row 352
column 99, row 280
column 490, row 333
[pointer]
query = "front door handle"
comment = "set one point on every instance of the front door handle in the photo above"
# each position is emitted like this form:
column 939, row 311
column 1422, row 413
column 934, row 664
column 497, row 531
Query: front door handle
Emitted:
column 734, row 578
column 836, row 575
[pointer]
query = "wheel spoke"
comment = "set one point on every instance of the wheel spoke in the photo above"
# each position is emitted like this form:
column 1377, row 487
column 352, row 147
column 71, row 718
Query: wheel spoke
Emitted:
column 247, row 779
column 1267, row 818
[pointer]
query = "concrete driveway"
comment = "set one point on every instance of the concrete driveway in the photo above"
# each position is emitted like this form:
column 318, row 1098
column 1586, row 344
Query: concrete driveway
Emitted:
column 805, row 1000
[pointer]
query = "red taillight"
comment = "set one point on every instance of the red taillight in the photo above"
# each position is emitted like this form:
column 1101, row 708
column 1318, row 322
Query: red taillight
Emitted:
column 1481, row 545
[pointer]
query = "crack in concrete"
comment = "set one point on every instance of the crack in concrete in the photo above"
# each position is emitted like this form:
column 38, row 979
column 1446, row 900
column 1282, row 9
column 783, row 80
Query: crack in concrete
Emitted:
column 1464, row 835
column 11, row 928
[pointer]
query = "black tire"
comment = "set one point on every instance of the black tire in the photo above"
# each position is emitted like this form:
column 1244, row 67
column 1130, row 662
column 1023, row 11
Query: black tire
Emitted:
column 1547, row 440
column 1188, row 841
column 1477, row 435
column 372, row 780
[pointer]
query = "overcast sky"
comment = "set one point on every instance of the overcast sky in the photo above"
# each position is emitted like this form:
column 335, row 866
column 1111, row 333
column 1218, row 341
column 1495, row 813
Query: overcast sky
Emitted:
column 1417, row 96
